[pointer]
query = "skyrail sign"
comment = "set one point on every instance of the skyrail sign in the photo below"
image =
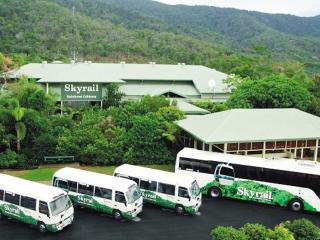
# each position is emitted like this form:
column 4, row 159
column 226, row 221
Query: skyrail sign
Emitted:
column 81, row 92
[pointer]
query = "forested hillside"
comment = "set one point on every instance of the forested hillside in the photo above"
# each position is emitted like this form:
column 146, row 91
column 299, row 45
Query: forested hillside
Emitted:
column 242, row 42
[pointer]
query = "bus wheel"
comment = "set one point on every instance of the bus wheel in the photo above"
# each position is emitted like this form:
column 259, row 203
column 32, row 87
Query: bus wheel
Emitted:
column 42, row 227
column 296, row 205
column 179, row 209
column 215, row 192
column 116, row 214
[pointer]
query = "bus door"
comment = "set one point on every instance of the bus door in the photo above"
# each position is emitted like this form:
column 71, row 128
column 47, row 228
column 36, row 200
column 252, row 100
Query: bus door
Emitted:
column 183, row 196
column 224, row 174
column 44, row 214
column 120, row 202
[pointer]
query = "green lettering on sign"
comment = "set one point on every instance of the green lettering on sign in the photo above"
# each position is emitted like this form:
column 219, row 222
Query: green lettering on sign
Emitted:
column 81, row 91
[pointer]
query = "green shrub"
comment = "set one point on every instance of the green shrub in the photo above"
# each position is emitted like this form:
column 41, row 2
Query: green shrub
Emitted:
column 281, row 233
column 8, row 159
column 303, row 229
column 256, row 231
column 228, row 233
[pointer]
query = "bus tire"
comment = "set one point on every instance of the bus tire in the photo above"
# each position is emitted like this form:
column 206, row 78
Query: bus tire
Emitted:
column 296, row 205
column 116, row 215
column 42, row 227
column 215, row 192
column 179, row 209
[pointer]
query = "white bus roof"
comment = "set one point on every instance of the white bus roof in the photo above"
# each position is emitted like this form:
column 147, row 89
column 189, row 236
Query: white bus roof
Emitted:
column 92, row 178
column 29, row 189
column 285, row 164
column 155, row 175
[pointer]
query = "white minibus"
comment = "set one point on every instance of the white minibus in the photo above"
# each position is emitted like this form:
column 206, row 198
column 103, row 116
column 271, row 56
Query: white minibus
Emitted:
column 167, row 189
column 103, row 193
column 36, row 204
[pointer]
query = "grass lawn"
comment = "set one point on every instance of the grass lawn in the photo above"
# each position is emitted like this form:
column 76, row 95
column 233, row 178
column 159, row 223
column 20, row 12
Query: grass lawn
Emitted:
column 46, row 173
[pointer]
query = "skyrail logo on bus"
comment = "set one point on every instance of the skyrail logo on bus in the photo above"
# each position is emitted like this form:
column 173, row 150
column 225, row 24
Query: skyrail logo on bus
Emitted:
column 11, row 210
column 242, row 191
column 81, row 91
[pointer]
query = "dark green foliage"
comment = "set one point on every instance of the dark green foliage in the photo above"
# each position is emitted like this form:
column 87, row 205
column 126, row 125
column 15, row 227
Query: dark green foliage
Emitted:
column 271, row 92
column 145, row 145
column 256, row 231
column 303, row 229
column 8, row 159
column 230, row 233
column 211, row 106
column 113, row 95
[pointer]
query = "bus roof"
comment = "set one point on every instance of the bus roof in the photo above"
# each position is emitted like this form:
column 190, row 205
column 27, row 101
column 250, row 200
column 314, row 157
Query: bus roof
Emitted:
column 92, row 178
column 155, row 175
column 285, row 164
column 29, row 189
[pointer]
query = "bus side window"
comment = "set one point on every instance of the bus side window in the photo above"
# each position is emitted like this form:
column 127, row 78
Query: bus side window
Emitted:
column 85, row 189
column 12, row 198
column 183, row 192
column 166, row 189
column 135, row 180
column 29, row 203
column 1, row 195
column 103, row 193
column 119, row 197
column 73, row 186
column 43, row 208
column 225, row 171
column 148, row 185
column 61, row 183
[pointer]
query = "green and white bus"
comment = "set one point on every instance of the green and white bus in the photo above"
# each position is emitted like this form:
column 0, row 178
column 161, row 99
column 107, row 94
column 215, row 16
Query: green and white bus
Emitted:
column 103, row 193
column 166, row 189
column 42, row 206
column 284, row 182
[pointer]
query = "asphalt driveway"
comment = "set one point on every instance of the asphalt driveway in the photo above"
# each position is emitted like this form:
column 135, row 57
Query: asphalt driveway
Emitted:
column 159, row 224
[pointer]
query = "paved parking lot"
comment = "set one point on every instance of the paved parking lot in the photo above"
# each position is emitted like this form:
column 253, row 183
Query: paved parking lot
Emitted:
column 159, row 224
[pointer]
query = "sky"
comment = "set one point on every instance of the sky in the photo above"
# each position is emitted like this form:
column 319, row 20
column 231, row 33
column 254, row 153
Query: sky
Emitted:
column 305, row 8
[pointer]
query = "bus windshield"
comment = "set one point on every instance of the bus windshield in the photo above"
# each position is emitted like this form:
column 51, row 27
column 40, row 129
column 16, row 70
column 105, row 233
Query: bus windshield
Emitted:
column 195, row 190
column 59, row 205
column 133, row 194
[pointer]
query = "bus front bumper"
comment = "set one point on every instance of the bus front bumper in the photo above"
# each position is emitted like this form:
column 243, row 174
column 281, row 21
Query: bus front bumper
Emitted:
column 64, row 223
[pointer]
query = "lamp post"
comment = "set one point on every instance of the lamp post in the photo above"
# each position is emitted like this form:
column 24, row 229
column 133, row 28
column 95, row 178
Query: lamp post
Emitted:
column 211, row 85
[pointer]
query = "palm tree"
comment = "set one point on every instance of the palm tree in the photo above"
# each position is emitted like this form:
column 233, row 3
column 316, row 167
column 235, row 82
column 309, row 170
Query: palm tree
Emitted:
column 15, row 111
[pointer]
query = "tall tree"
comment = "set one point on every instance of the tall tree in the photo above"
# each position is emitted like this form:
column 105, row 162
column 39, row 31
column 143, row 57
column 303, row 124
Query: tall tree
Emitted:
column 275, row 91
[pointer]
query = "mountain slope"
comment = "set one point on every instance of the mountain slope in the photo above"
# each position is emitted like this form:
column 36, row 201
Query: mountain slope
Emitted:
column 46, row 29
column 287, row 35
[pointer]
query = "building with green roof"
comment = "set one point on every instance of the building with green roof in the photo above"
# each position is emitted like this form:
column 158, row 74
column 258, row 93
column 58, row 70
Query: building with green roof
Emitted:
column 265, row 132
column 87, row 81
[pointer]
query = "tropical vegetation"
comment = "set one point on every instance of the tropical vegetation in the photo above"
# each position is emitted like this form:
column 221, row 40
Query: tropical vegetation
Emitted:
column 300, row 229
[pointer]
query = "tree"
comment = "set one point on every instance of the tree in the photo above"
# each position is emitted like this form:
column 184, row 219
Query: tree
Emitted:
column 144, row 142
column 113, row 95
column 256, row 231
column 281, row 233
column 6, row 64
column 303, row 229
column 17, row 113
column 275, row 91
column 228, row 233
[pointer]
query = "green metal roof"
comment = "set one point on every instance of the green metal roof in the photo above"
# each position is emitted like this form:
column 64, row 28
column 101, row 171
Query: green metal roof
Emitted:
column 110, row 72
column 153, row 88
column 190, row 109
column 252, row 125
